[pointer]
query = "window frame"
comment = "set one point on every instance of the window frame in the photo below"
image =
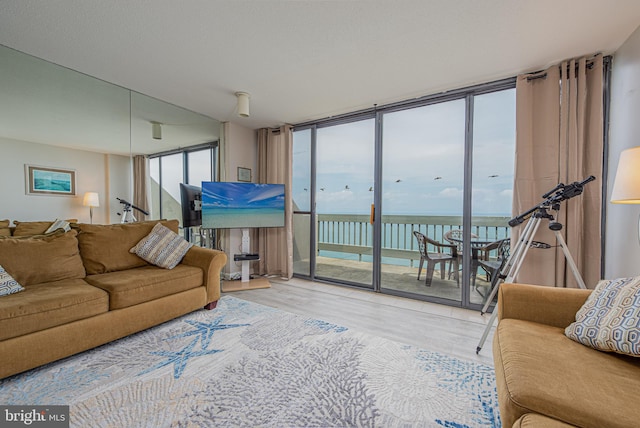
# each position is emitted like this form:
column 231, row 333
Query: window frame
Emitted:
column 377, row 113
column 214, row 157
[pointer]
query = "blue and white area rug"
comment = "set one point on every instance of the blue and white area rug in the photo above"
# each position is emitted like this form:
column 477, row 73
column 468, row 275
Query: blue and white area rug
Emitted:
column 248, row 365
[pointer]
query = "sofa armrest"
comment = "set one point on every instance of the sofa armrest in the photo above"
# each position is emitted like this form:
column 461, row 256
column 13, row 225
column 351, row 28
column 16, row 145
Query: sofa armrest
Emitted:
column 545, row 305
column 211, row 262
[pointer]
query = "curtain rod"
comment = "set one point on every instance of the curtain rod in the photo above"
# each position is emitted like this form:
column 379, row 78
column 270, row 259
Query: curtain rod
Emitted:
column 438, row 97
column 590, row 62
column 544, row 75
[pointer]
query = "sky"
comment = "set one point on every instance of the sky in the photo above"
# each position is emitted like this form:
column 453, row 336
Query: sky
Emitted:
column 423, row 160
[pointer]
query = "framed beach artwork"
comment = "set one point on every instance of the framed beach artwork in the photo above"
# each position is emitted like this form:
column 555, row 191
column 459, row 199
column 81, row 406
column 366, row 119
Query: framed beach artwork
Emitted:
column 244, row 174
column 42, row 180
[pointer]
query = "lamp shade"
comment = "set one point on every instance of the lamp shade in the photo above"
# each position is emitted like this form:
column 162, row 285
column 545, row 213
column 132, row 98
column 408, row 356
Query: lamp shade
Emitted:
column 626, row 187
column 91, row 199
column 243, row 104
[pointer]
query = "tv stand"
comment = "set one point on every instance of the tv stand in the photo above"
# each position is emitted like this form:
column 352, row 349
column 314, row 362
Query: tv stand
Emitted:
column 246, row 247
column 246, row 283
column 246, row 257
column 252, row 284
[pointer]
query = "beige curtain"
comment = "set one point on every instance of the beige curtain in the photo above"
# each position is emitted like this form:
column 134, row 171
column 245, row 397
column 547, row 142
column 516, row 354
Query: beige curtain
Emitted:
column 560, row 140
column 140, row 186
column 275, row 245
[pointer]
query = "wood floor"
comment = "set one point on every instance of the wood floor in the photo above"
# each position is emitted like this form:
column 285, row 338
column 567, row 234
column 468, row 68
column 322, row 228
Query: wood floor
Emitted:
column 446, row 329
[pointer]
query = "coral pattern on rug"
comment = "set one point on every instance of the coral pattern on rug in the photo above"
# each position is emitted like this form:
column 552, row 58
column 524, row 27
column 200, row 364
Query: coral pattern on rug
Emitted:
column 248, row 365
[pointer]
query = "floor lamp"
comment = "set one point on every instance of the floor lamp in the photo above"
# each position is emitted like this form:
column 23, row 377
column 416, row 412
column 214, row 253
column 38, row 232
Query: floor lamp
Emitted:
column 91, row 200
column 626, row 187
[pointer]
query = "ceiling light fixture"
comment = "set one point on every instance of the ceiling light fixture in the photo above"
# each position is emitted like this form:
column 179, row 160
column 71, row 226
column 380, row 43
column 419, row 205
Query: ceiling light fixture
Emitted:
column 156, row 130
column 243, row 104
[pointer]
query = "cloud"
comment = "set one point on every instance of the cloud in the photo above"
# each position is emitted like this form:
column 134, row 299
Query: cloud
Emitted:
column 451, row 192
column 418, row 145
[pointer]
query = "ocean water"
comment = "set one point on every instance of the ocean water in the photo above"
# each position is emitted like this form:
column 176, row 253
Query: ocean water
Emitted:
column 369, row 259
column 395, row 237
column 240, row 218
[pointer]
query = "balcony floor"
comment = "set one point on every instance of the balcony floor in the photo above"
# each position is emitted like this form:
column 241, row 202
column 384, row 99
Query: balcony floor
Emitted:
column 399, row 278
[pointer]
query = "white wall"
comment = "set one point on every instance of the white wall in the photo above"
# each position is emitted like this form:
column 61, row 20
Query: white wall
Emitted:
column 240, row 150
column 93, row 172
column 119, row 181
column 622, row 249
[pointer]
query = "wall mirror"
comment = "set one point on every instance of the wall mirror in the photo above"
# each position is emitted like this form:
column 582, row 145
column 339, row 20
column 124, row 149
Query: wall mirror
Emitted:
column 57, row 117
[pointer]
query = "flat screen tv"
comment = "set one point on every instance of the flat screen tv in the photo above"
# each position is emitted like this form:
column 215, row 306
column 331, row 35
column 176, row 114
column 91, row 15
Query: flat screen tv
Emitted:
column 242, row 205
column 191, row 201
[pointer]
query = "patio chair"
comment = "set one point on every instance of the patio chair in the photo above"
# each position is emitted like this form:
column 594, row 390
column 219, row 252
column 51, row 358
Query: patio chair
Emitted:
column 434, row 258
column 493, row 266
column 454, row 237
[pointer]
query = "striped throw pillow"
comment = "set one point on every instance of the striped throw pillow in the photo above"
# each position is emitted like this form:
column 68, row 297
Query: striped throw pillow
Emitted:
column 162, row 247
column 8, row 285
column 610, row 318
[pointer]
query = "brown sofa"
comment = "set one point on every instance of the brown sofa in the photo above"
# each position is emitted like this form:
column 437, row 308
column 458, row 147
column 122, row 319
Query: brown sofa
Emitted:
column 83, row 288
column 545, row 379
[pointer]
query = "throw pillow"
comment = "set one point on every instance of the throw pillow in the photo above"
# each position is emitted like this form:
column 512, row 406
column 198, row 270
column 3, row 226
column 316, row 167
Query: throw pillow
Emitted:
column 29, row 228
column 610, row 318
column 162, row 247
column 105, row 247
column 8, row 285
column 38, row 259
column 58, row 225
column 4, row 228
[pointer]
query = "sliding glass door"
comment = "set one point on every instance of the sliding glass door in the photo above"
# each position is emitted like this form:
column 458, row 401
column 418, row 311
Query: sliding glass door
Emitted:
column 404, row 199
column 494, row 131
column 422, row 191
column 344, row 195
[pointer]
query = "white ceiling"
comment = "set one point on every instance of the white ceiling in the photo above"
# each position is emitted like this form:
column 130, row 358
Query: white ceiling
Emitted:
column 305, row 60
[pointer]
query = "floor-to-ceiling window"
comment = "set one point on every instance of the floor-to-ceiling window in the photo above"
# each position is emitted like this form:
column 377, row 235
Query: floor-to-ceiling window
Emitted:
column 344, row 194
column 494, row 130
column 191, row 165
column 301, row 195
column 374, row 188
column 422, row 190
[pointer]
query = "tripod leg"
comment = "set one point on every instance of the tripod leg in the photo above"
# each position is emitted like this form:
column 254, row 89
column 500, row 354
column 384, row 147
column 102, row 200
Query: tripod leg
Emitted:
column 510, row 271
column 525, row 248
column 572, row 264
column 495, row 283
column 510, row 268
column 487, row 329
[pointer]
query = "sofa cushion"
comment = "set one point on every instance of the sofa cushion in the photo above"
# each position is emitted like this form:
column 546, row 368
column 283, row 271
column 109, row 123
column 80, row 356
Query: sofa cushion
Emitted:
column 45, row 305
column 610, row 318
column 162, row 247
column 33, row 260
column 8, row 284
column 105, row 248
column 133, row 286
column 534, row 420
column 540, row 370
column 28, row 228
column 4, row 228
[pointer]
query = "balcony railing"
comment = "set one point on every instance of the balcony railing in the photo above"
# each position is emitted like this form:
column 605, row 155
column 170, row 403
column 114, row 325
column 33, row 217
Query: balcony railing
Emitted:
column 353, row 234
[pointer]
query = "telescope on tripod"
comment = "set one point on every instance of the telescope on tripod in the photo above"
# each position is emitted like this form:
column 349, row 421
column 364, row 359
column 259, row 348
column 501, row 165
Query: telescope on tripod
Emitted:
column 127, row 213
column 510, row 268
column 552, row 200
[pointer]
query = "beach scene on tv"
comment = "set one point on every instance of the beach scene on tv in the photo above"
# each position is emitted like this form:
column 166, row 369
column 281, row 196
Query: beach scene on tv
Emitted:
column 242, row 205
